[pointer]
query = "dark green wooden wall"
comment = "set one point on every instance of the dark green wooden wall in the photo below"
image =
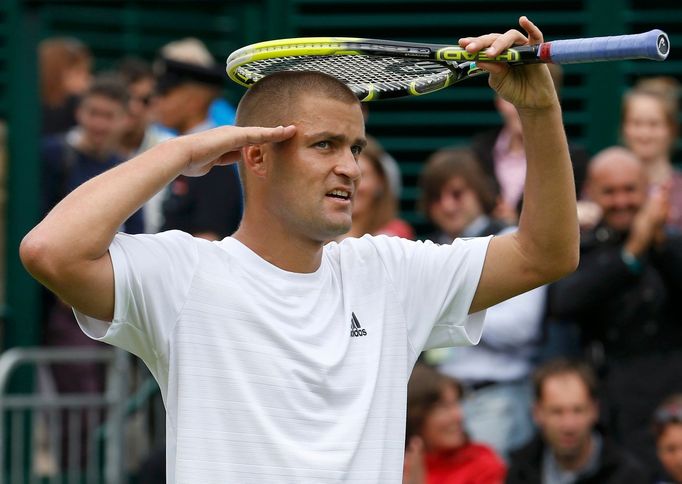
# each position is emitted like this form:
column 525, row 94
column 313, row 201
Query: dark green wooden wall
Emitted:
column 410, row 129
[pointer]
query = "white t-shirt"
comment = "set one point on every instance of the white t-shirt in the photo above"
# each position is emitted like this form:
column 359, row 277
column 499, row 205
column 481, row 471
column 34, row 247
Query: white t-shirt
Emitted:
column 274, row 376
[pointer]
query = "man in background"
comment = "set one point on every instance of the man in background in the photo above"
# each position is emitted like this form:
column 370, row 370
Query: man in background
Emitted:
column 569, row 449
column 188, row 80
column 625, row 297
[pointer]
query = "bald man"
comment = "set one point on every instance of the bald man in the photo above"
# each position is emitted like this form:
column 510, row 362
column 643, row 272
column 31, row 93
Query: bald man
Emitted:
column 625, row 296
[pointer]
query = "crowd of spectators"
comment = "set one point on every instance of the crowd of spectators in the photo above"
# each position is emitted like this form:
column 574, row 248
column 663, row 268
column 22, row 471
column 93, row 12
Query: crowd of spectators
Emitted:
column 495, row 412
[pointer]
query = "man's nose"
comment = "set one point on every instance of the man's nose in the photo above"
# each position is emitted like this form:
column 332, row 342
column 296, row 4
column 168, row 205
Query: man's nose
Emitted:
column 348, row 165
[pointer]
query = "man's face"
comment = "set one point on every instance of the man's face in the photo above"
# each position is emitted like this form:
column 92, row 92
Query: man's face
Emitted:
column 102, row 120
column 620, row 191
column 565, row 415
column 457, row 207
column 312, row 177
column 170, row 107
column 669, row 448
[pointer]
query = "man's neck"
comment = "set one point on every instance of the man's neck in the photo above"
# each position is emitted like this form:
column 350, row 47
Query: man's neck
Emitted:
column 280, row 247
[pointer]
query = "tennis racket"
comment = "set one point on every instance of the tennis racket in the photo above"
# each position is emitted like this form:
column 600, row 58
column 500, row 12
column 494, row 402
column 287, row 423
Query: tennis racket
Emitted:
column 383, row 69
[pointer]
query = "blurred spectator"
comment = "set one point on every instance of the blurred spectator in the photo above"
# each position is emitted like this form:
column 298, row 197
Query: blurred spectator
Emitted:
column 141, row 133
column 375, row 203
column 458, row 198
column 570, row 449
column 69, row 160
column 92, row 147
column 650, row 128
column 503, row 157
column 188, row 80
column 438, row 449
column 668, row 432
column 65, row 74
column 625, row 297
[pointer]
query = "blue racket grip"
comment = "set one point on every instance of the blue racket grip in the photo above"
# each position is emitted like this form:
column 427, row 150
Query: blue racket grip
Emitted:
column 653, row 45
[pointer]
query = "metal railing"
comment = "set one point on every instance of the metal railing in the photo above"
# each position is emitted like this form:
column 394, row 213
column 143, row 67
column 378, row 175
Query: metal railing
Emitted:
column 93, row 454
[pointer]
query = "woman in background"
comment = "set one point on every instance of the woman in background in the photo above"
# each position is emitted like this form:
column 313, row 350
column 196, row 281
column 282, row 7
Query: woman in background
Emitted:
column 649, row 129
column 375, row 204
column 438, row 450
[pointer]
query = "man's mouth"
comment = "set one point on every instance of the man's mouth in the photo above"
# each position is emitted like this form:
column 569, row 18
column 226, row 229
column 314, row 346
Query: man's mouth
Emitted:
column 339, row 194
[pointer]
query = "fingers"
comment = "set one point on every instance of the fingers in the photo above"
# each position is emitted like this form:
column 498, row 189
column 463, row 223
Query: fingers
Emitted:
column 534, row 34
column 255, row 135
column 495, row 43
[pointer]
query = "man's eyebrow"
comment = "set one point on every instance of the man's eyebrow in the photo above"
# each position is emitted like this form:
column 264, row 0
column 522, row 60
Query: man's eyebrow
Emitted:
column 336, row 137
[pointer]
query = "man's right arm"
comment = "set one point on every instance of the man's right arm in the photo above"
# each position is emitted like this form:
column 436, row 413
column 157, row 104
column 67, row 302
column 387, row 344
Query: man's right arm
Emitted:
column 68, row 250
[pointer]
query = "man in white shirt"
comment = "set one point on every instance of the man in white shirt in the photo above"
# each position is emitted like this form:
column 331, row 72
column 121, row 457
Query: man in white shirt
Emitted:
column 280, row 358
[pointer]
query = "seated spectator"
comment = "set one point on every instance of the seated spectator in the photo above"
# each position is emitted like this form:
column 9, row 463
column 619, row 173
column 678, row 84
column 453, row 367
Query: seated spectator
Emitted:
column 65, row 74
column 668, row 432
column 375, row 203
column 625, row 298
column 438, row 449
column 569, row 449
column 458, row 198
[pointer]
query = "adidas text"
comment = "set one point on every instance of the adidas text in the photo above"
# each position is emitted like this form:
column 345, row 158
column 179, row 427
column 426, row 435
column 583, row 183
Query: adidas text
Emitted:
column 358, row 332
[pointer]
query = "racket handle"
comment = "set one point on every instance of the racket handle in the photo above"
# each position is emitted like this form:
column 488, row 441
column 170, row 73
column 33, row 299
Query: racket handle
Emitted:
column 653, row 45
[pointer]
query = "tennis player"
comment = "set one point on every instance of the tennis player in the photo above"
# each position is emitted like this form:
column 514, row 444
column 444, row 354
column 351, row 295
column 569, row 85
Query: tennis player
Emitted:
column 280, row 358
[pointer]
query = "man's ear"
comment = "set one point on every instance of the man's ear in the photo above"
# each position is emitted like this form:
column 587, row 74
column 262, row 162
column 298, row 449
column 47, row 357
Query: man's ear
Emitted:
column 252, row 156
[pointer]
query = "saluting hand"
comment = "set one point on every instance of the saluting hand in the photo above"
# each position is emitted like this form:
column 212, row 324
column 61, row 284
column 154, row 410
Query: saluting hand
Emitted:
column 220, row 146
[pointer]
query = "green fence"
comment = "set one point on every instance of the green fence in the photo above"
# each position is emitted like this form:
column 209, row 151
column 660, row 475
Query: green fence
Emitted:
column 410, row 129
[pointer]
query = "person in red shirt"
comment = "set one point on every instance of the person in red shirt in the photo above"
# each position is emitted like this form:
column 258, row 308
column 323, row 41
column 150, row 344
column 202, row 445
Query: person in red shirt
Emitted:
column 438, row 449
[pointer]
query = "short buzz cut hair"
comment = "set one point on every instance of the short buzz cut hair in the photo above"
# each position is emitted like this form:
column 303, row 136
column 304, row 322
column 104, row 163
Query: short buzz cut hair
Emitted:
column 563, row 367
column 272, row 101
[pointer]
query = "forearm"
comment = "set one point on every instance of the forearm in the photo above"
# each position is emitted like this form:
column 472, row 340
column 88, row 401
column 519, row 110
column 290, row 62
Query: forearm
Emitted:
column 83, row 224
column 548, row 225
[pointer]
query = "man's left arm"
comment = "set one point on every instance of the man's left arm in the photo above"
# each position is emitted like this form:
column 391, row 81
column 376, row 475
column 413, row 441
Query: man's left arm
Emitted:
column 545, row 247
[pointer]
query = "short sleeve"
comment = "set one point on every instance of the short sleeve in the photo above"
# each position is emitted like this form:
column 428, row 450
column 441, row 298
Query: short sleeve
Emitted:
column 436, row 284
column 152, row 277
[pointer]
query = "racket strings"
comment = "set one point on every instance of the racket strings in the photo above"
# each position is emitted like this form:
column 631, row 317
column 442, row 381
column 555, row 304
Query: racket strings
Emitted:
column 357, row 71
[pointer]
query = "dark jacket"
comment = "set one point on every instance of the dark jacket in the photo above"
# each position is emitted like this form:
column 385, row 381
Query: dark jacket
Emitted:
column 615, row 466
column 629, row 312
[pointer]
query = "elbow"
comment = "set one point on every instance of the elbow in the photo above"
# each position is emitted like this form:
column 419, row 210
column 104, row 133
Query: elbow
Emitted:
column 561, row 265
column 35, row 255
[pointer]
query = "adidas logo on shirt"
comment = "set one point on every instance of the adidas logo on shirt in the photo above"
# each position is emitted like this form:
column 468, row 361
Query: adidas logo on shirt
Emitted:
column 355, row 328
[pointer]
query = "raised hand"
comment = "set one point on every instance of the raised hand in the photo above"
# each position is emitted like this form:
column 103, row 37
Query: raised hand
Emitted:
column 527, row 87
column 221, row 146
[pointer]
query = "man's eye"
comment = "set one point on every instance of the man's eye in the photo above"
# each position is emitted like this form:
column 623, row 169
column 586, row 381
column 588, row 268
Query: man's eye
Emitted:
column 323, row 144
column 356, row 150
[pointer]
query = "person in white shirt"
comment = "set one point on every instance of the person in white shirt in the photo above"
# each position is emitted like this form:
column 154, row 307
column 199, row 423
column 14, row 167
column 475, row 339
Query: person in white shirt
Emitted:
column 282, row 358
